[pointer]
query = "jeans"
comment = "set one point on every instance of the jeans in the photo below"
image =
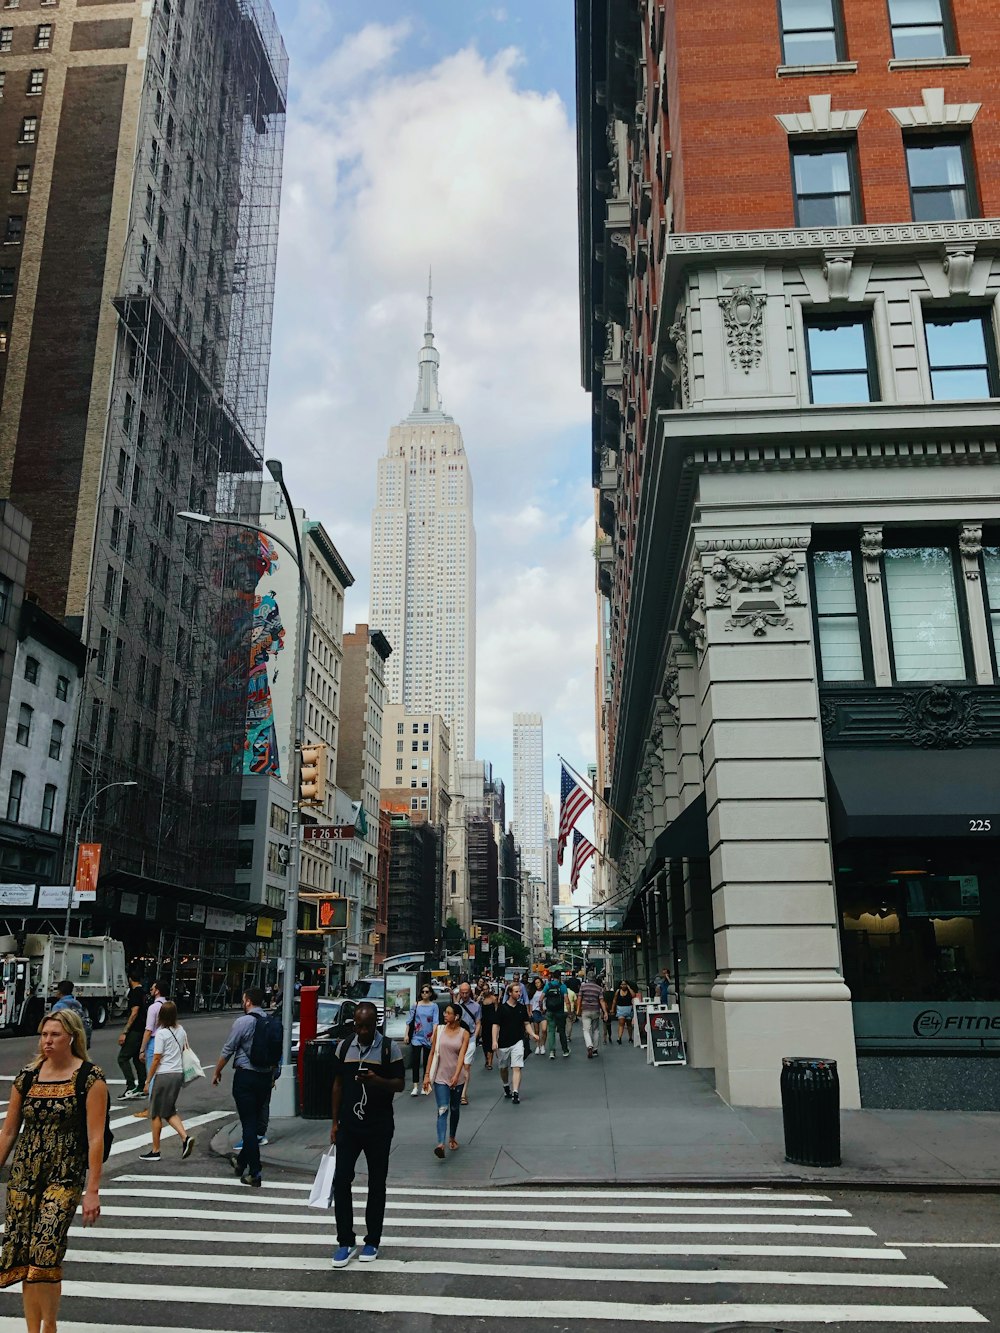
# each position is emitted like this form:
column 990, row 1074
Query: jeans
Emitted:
column 446, row 1097
column 592, row 1030
column 418, row 1058
column 129, row 1062
column 252, row 1095
column 375, row 1143
column 557, row 1023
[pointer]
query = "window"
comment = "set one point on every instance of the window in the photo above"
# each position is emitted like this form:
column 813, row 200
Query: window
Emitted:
column 6, row 39
column 7, row 276
column 14, row 797
column 36, row 82
column 399, row 765
column 56, row 740
column 29, row 130
column 43, row 37
column 961, row 355
column 825, row 184
column 248, row 812
column 941, row 179
column 922, row 603
column 920, row 30
column 244, row 854
column 835, row 594
column 62, row 687
column 22, row 180
column 31, row 665
column 399, row 728
column 841, row 361
column 15, row 229
column 24, row 717
column 48, row 807
column 279, row 819
column 811, row 32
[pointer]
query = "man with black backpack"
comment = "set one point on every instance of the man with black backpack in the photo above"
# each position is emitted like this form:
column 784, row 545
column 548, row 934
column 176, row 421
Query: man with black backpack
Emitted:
column 556, row 999
column 254, row 1044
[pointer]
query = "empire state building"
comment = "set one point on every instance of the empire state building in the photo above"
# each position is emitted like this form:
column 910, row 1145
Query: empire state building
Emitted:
column 424, row 561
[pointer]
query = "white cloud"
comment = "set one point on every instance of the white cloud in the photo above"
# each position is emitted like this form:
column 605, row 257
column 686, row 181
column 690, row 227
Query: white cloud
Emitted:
column 456, row 166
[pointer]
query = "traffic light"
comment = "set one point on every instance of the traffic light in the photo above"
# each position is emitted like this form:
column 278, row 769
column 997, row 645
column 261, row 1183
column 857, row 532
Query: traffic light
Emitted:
column 312, row 775
column 331, row 913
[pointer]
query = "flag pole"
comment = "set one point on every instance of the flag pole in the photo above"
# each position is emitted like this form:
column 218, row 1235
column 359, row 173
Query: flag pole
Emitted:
column 607, row 804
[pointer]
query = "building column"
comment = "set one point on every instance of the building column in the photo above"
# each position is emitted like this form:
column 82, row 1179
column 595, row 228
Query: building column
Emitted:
column 696, row 1001
column 780, row 988
column 970, row 544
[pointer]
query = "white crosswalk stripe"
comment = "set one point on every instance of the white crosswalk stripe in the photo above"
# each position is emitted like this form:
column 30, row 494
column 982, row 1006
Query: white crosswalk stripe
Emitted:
column 172, row 1245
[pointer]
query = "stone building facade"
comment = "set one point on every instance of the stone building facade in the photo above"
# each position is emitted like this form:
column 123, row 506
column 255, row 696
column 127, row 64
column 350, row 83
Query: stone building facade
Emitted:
column 790, row 275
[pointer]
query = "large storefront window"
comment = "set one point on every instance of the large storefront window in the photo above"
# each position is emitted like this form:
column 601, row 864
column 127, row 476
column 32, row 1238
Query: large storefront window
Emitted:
column 924, row 621
column 920, row 934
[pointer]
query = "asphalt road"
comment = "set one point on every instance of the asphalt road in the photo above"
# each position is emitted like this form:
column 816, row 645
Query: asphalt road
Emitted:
column 184, row 1248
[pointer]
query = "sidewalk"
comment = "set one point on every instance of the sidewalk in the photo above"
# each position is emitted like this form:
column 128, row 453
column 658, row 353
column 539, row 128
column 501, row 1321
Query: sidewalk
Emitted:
column 618, row 1121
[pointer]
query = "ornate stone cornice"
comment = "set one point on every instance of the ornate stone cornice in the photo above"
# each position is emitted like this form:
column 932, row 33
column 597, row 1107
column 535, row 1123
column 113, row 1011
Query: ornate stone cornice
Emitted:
column 903, row 234
column 820, row 118
column 858, row 453
column 798, row 543
column 935, row 111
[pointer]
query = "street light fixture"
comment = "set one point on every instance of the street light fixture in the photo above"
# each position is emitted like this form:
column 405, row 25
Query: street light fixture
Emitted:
column 283, row 1099
column 76, row 855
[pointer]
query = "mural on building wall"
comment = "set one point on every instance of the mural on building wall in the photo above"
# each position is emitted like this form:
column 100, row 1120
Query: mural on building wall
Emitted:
column 267, row 640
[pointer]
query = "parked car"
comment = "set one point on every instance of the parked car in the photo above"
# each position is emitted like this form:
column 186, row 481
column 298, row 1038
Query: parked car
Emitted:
column 334, row 1019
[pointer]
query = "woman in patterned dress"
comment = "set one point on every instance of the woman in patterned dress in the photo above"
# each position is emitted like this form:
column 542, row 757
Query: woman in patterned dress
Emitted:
column 59, row 1151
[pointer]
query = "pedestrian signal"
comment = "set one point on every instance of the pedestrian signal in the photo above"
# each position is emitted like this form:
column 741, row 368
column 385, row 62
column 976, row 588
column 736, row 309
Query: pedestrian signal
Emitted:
column 331, row 913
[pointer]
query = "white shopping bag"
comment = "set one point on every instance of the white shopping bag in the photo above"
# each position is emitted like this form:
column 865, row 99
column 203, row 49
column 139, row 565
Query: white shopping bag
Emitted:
column 321, row 1194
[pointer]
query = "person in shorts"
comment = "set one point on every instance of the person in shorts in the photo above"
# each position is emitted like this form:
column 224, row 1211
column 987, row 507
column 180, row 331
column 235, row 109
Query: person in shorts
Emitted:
column 511, row 1030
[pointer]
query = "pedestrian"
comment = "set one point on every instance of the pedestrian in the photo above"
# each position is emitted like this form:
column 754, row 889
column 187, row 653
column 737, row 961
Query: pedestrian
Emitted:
column 255, row 1051
column 489, row 1002
column 536, row 1012
column 447, row 1074
column 472, row 1018
column 525, row 991
column 67, row 1000
column 592, row 1009
column 573, row 990
column 555, row 993
column 368, row 1072
column 663, row 987
column 157, row 998
column 56, row 1117
column 167, row 1067
column 511, row 1024
column 623, row 1003
column 609, row 1008
column 130, row 1041
column 421, row 1021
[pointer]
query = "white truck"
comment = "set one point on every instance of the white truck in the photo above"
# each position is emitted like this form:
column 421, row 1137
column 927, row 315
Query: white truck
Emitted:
column 33, row 965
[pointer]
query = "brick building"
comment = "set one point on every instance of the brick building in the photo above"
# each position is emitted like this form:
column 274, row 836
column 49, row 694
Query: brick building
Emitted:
column 790, row 285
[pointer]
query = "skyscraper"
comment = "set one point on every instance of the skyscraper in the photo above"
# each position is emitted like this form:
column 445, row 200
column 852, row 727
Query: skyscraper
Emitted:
column 424, row 561
column 529, row 792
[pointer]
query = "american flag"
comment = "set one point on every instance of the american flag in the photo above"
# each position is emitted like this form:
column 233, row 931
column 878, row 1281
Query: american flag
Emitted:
column 582, row 852
column 573, row 801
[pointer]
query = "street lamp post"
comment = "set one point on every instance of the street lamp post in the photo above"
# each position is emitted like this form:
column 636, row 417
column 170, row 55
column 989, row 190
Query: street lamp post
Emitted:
column 283, row 1099
column 76, row 855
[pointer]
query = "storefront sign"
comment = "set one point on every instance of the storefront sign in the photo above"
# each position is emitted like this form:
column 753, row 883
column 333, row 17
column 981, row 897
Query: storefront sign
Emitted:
column 52, row 896
column 198, row 915
column 129, row 904
column 227, row 922
column 17, row 895
column 665, row 1040
column 265, row 928
column 352, row 954
column 926, row 1025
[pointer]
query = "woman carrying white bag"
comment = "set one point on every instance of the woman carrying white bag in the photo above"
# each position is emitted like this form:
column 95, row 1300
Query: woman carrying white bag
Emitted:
column 170, row 1070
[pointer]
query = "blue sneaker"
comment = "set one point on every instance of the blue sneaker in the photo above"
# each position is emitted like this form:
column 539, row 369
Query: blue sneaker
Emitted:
column 343, row 1256
column 262, row 1142
column 369, row 1254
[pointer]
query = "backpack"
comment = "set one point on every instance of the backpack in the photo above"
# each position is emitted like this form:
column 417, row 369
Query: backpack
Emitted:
column 265, row 1045
column 468, row 1021
column 81, row 1100
column 554, row 998
column 344, row 1044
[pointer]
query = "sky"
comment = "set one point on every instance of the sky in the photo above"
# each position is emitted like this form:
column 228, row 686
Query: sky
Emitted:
column 442, row 135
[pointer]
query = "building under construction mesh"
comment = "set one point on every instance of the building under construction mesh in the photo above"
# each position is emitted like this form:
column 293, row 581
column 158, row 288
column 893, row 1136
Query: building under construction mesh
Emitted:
column 416, row 868
column 169, row 605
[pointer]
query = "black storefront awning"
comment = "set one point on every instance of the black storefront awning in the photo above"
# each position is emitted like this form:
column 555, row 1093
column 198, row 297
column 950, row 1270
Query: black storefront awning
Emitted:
column 910, row 793
column 686, row 837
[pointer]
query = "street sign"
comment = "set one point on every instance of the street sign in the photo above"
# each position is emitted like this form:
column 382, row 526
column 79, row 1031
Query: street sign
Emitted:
column 327, row 832
column 547, row 937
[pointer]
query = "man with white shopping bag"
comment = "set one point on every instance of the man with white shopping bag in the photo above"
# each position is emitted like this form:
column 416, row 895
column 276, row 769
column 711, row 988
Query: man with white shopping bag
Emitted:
column 368, row 1072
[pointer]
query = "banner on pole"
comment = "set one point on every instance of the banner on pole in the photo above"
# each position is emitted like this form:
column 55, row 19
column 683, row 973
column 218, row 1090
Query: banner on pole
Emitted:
column 88, row 867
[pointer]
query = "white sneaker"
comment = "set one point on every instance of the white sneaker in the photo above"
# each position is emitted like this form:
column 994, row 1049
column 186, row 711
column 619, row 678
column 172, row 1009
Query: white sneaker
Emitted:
column 415, row 1092
column 552, row 1056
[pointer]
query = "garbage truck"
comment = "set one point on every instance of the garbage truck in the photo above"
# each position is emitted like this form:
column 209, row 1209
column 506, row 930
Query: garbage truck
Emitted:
column 32, row 965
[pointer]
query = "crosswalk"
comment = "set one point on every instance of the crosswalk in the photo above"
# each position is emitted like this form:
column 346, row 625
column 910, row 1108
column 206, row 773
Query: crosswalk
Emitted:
column 189, row 1252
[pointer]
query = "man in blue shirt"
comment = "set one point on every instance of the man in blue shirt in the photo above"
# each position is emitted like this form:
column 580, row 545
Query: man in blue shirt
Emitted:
column 252, row 1086
column 556, row 1000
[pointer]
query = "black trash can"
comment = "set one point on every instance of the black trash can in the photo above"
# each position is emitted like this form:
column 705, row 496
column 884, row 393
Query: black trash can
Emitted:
column 810, row 1108
column 317, row 1079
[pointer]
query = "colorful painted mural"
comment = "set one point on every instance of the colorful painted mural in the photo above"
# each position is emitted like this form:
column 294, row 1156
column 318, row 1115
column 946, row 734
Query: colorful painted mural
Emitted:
column 268, row 639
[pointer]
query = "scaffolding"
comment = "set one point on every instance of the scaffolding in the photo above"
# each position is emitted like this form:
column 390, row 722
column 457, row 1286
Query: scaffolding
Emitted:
column 169, row 607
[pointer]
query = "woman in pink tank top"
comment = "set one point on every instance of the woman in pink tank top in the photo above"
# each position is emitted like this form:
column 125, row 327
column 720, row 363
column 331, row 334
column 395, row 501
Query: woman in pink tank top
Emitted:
column 446, row 1074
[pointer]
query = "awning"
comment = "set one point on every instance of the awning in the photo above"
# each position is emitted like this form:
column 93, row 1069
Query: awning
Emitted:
column 913, row 793
column 686, row 837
